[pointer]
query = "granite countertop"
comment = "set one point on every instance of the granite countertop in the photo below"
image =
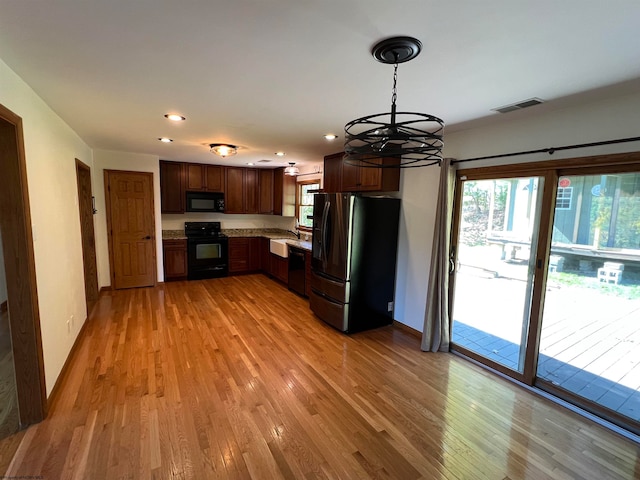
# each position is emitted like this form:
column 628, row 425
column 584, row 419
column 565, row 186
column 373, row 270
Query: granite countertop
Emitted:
column 304, row 245
column 173, row 235
column 248, row 232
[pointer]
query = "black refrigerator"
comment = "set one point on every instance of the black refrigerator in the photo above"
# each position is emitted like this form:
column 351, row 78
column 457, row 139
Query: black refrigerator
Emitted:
column 353, row 261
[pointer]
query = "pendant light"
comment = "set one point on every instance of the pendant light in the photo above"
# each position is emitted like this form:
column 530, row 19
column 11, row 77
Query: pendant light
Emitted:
column 414, row 139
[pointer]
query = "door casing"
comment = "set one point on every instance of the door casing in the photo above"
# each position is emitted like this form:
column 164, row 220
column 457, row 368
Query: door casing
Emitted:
column 17, row 240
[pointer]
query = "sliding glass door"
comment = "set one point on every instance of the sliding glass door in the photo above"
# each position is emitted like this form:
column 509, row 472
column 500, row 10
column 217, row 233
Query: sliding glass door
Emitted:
column 494, row 268
column 590, row 336
column 545, row 283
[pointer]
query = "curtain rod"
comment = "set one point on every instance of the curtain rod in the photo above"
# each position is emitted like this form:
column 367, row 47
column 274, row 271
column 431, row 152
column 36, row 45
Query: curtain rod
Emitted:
column 551, row 150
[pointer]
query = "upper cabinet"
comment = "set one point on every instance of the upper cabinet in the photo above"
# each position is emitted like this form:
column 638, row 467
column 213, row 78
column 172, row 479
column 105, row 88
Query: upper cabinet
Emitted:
column 208, row 178
column 246, row 190
column 265, row 187
column 241, row 191
column 340, row 176
column 172, row 193
column 235, row 186
column 284, row 193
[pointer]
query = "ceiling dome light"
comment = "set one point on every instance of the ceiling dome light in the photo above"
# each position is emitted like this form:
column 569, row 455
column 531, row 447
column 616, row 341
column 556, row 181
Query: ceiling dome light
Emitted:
column 280, row 154
column 291, row 170
column 414, row 139
column 330, row 136
column 223, row 149
column 175, row 117
column 165, row 140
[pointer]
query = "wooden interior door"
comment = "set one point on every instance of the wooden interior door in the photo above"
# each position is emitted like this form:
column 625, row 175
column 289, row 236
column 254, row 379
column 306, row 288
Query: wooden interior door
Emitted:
column 85, row 205
column 131, row 227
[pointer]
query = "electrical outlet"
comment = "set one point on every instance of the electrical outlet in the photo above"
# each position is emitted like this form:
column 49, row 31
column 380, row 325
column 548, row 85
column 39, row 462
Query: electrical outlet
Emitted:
column 390, row 307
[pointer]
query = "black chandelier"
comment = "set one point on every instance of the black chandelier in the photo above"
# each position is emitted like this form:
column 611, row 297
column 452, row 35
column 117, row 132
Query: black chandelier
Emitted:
column 414, row 139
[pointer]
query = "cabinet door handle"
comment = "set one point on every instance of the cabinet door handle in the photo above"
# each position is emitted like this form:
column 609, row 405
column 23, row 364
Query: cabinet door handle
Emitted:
column 148, row 237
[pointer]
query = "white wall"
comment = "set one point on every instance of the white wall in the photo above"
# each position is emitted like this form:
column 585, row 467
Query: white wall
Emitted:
column 597, row 121
column 133, row 162
column 176, row 222
column 3, row 279
column 51, row 148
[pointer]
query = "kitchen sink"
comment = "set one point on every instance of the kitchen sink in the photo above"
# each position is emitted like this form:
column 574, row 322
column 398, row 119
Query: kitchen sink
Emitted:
column 279, row 247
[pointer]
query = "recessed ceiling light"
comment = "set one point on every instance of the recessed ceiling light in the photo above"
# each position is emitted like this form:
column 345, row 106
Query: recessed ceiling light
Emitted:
column 330, row 136
column 165, row 140
column 280, row 154
column 175, row 117
column 250, row 163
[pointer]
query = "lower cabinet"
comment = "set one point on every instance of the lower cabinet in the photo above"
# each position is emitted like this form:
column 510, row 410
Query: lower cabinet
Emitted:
column 244, row 255
column 175, row 259
column 279, row 268
column 307, row 276
column 252, row 254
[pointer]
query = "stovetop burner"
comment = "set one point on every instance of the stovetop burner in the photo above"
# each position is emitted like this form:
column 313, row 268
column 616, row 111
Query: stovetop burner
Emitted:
column 203, row 229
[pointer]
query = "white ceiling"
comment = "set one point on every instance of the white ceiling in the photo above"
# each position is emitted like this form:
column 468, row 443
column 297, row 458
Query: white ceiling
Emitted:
column 277, row 75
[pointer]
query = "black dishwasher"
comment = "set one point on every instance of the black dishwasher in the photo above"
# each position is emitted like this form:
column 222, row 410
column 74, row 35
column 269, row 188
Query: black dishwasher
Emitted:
column 296, row 270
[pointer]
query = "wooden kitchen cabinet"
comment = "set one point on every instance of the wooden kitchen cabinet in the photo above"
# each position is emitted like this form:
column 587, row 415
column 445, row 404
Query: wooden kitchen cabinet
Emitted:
column 255, row 255
column 263, row 246
column 172, row 193
column 332, row 173
column 347, row 177
column 279, row 268
column 208, row 178
column 241, row 190
column 266, row 192
column 234, row 190
column 307, row 272
column 251, row 196
column 247, row 190
column 175, row 259
column 244, row 255
column 238, row 255
column 284, row 193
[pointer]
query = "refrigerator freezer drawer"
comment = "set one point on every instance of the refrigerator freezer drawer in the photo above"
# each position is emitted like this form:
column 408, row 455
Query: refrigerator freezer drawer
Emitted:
column 335, row 289
column 335, row 314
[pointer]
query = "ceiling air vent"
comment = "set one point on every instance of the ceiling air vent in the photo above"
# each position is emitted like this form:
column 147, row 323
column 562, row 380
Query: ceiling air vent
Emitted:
column 519, row 105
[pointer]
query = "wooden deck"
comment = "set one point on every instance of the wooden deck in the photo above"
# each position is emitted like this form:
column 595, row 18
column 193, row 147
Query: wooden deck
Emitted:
column 590, row 341
column 234, row 378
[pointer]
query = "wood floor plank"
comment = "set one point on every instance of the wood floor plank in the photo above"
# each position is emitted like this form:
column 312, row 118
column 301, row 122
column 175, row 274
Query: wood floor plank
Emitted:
column 234, row 378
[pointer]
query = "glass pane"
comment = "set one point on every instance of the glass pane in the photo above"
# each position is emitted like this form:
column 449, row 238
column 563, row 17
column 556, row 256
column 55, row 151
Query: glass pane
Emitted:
column 306, row 211
column 306, row 197
column 590, row 337
column 207, row 251
column 494, row 271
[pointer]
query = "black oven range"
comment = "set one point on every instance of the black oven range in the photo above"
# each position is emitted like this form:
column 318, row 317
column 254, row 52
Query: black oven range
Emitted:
column 207, row 250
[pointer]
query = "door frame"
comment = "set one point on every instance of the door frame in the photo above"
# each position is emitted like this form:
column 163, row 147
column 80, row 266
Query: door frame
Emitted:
column 551, row 171
column 88, row 240
column 107, row 197
column 17, row 239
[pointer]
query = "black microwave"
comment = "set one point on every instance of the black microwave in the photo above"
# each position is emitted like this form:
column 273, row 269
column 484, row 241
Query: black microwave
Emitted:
column 205, row 202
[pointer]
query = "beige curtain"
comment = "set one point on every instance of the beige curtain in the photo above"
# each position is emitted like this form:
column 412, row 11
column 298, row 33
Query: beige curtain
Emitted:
column 437, row 326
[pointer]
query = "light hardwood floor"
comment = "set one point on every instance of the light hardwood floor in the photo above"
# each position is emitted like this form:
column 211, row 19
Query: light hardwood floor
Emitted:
column 235, row 378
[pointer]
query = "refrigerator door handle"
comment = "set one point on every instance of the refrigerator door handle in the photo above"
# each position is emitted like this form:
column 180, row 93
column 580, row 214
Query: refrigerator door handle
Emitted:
column 325, row 218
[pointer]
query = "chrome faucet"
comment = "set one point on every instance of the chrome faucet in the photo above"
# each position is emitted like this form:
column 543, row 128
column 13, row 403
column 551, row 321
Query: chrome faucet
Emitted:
column 296, row 233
